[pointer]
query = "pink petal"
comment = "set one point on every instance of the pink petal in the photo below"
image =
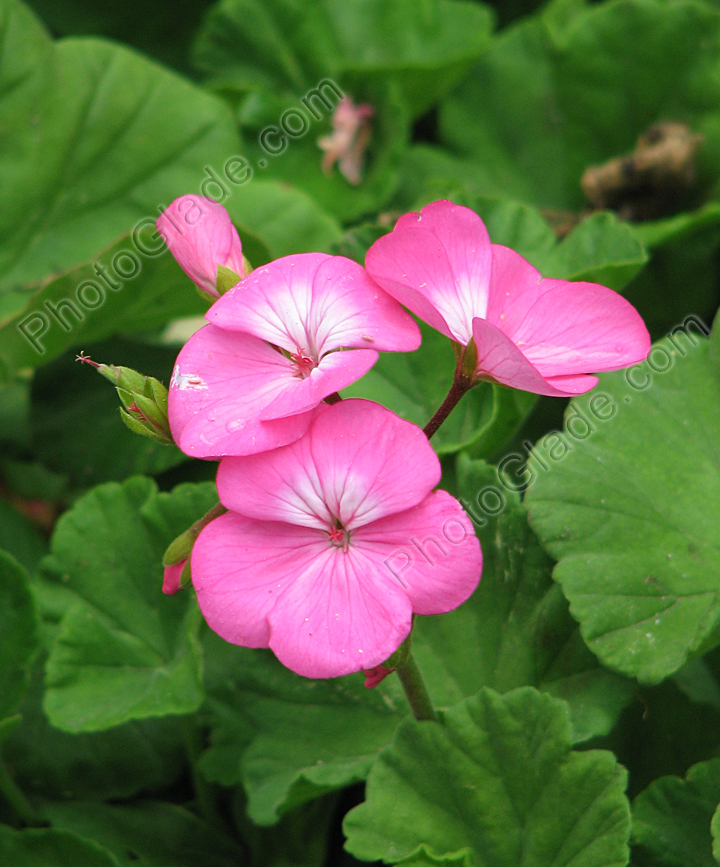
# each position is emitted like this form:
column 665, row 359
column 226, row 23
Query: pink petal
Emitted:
column 438, row 264
column 563, row 328
column 171, row 578
column 241, row 567
column 339, row 617
column 501, row 360
column 201, row 236
column 336, row 371
column 431, row 551
column 316, row 303
column 358, row 462
column 221, row 386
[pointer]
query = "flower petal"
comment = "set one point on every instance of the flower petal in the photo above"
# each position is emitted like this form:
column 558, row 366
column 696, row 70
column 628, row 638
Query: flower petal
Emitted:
column 339, row 617
column 221, row 385
column 358, row 462
column 500, row 359
column 431, row 551
column 316, row 303
column 278, row 303
column 241, row 567
column 563, row 328
column 438, row 264
column 201, row 236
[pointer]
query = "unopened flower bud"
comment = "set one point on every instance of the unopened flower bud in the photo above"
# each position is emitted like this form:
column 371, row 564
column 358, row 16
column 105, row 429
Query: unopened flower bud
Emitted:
column 203, row 240
column 144, row 400
column 176, row 558
column 171, row 578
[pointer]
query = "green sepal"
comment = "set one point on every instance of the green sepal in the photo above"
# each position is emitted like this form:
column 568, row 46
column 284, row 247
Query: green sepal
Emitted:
column 469, row 360
column 401, row 655
column 226, row 279
column 152, row 413
column 185, row 576
column 136, row 426
column 181, row 547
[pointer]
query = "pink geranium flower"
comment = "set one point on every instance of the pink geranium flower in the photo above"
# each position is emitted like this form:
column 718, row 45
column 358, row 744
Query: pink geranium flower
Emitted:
column 201, row 236
column 540, row 335
column 247, row 382
column 332, row 543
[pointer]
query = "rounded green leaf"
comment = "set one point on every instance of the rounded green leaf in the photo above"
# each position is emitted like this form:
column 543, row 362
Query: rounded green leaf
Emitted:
column 124, row 651
column 627, row 498
column 671, row 818
column 495, row 782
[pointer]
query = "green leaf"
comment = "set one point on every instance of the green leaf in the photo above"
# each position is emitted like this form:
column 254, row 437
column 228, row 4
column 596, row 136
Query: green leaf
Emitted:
column 495, row 782
column 423, row 48
column 292, row 739
column 48, row 847
column 71, row 398
column 671, row 818
column 123, row 651
column 97, row 137
column 19, row 628
column 140, row 756
column 148, row 833
column 638, row 548
column 285, row 218
column 550, row 97
column 516, row 629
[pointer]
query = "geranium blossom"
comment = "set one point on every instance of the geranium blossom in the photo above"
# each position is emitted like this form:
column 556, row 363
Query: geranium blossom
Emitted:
column 201, row 236
column 540, row 335
column 248, row 381
column 333, row 542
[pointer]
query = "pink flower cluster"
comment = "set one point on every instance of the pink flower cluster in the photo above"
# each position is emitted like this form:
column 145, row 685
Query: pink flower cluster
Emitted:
column 335, row 534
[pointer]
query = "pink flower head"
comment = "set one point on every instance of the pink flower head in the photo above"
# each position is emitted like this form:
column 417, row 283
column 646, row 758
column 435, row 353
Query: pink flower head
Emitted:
column 248, row 381
column 331, row 543
column 350, row 137
column 200, row 235
column 535, row 334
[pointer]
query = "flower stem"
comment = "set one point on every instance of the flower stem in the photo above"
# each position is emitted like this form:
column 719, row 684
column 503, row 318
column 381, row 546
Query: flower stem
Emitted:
column 16, row 799
column 460, row 385
column 417, row 695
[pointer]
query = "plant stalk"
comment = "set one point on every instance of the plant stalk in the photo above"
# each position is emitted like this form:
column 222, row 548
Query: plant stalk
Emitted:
column 417, row 694
column 461, row 385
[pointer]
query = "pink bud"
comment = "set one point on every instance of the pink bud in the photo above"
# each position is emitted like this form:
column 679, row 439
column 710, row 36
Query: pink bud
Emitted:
column 374, row 676
column 201, row 236
column 171, row 578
